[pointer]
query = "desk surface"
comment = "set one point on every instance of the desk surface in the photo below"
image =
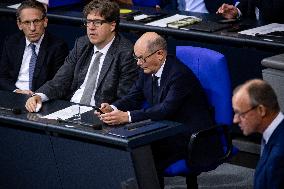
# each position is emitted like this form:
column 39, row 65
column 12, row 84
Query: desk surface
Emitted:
column 34, row 121
column 74, row 15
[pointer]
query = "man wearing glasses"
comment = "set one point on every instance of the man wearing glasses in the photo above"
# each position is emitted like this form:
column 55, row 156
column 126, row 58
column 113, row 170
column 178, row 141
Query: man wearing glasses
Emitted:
column 257, row 111
column 100, row 67
column 33, row 56
column 171, row 91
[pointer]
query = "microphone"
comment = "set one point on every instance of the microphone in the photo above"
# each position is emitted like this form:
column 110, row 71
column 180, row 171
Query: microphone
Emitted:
column 13, row 110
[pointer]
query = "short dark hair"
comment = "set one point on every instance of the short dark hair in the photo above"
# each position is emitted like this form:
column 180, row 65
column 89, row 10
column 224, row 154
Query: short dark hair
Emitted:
column 31, row 4
column 261, row 93
column 158, row 43
column 106, row 8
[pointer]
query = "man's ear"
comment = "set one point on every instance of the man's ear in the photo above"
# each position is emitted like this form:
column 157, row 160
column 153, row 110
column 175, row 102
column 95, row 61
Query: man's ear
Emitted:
column 19, row 25
column 262, row 110
column 113, row 25
column 45, row 22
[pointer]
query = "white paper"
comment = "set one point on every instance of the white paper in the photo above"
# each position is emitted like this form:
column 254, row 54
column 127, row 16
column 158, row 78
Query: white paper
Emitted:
column 68, row 112
column 264, row 29
column 163, row 22
column 140, row 17
column 15, row 6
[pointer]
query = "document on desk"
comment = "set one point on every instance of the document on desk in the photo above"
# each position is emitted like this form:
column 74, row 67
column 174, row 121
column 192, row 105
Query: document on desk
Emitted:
column 262, row 30
column 68, row 112
column 163, row 22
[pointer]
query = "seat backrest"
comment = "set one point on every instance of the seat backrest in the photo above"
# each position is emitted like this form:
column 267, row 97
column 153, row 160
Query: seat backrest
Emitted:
column 147, row 3
column 210, row 67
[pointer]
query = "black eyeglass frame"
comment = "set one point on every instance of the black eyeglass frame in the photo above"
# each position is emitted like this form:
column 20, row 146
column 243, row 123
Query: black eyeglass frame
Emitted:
column 242, row 114
column 95, row 22
column 144, row 59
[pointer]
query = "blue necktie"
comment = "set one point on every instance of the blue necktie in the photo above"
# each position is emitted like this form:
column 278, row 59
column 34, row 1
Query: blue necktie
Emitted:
column 32, row 65
column 155, row 89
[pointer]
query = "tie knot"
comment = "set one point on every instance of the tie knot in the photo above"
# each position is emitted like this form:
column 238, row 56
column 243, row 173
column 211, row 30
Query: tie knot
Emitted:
column 98, row 54
column 32, row 46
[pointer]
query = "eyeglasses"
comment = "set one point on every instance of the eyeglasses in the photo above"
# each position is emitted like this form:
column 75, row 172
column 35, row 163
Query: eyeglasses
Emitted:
column 96, row 23
column 36, row 22
column 144, row 59
column 243, row 114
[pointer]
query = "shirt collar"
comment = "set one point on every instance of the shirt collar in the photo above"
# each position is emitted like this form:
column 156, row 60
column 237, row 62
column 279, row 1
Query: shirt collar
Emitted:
column 273, row 125
column 37, row 44
column 160, row 71
column 105, row 49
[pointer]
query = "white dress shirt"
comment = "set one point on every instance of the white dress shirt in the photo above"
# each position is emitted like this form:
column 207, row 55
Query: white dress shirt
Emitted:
column 23, row 77
column 78, row 94
column 192, row 6
column 271, row 128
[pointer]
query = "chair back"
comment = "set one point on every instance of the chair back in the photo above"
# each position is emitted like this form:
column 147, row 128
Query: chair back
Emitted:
column 210, row 67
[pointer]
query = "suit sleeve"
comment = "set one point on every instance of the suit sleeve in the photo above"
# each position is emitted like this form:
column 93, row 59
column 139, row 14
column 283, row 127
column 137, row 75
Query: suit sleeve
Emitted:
column 59, row 55
column 275, row 167
column 128, row 73
column 60, row 85
column 7, row 81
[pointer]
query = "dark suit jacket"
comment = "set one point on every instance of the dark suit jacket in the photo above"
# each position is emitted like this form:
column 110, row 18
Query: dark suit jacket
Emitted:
column 269, row 173
column 51, row 56
column 269, row 10
column 181, row 99
column 118, row 72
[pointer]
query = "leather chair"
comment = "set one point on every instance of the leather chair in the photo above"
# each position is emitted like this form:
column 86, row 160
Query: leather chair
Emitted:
column 207, row 148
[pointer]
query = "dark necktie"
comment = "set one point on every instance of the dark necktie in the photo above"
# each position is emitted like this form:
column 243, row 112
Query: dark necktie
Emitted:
column 155, row 89
column 91, row 81
column 32, row 66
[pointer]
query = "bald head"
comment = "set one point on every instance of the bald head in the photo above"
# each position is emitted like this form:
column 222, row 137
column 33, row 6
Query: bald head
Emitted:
column 150, row 51
column 150, row 42
column 259, row 92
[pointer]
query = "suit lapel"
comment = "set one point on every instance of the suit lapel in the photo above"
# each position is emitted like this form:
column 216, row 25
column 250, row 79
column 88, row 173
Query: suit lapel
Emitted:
column 164, row 78
column 108, row 61
column 19, row 54
column 42, row 53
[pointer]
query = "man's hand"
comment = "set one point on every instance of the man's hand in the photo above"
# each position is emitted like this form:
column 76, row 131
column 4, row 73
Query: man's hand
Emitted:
column 27, row 92
column 32, row 102
column 115, row 117
column 228, row 11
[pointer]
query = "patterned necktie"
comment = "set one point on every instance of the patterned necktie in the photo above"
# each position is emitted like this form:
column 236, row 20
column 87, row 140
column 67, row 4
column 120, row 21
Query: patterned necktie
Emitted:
column 91, row 81
column 32, row 66
column 155, row 89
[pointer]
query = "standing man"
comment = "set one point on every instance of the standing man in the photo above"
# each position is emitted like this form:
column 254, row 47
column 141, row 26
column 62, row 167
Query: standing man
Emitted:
column 257, row 111
column 100, row 67
column 265, row 10
column 33, row 56
column 172, row 92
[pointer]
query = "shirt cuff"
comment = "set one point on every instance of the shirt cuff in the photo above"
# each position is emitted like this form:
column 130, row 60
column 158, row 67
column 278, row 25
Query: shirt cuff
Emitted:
column 129, row 117
column 43, row 97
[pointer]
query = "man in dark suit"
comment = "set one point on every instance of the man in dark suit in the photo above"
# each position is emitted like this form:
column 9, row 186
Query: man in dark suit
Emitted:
column 15, row 73
column 269, row 10
column 100, row 67
column 204, row 6
column 257, row 110
column 175, row 95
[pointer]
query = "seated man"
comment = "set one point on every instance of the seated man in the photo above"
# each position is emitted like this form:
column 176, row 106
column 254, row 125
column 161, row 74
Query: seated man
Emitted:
column 100, row 67
column 32, row 57
column 265, row 10
column 257, row 111
column 172, row 92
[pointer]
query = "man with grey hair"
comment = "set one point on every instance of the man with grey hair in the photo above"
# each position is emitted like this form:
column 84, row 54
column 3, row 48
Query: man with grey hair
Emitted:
column 100, row 67
column 31, row 57
column 171, row 91
column 257, row 111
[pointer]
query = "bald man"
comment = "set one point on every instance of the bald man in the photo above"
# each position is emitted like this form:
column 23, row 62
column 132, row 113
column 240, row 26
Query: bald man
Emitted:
column 257, row 111
column 175, row 94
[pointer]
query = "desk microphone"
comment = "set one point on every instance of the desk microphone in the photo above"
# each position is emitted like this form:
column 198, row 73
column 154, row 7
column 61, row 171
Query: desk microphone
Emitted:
column 13, row 110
